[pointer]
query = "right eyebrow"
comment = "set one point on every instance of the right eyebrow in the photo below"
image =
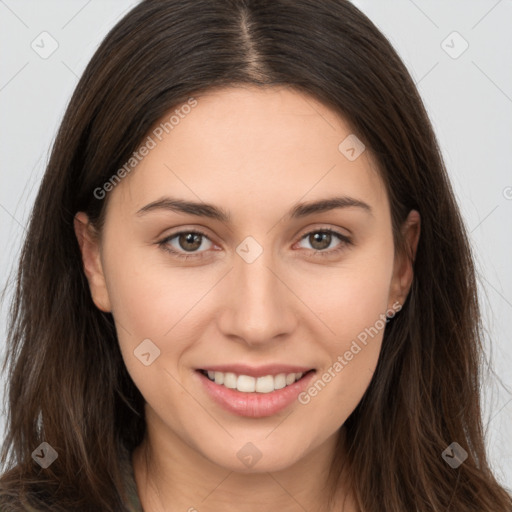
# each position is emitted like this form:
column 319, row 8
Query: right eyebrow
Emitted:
column 191, row 207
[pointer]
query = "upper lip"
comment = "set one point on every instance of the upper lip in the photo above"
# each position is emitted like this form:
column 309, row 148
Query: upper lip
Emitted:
column 257, row 371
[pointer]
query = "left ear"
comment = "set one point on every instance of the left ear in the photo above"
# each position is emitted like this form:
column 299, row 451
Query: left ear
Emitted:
column 403, row 271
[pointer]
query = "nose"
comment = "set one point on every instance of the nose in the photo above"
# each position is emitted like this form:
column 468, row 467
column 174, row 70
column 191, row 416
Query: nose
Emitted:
column 259, row 307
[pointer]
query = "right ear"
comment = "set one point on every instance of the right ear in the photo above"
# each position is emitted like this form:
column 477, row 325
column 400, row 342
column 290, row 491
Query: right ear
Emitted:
column 88, row 240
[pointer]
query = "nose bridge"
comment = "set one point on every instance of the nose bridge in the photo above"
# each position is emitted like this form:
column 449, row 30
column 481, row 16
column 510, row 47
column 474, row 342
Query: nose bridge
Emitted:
column 259, row 307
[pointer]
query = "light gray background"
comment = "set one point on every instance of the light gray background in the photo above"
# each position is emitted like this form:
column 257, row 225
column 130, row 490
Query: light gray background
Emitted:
column 469, row 99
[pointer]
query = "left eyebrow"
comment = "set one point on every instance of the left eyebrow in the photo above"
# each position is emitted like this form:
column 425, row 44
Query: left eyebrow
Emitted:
column 303, row 209
column 298, row 211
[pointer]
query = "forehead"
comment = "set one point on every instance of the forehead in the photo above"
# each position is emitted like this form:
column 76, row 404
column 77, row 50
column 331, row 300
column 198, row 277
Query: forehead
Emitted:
column 262, row 147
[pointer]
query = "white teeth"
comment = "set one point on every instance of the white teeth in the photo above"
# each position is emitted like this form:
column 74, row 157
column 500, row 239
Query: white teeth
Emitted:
column 265, row 384
column 248, row 384
column 280, row 381
column 245, row 383
column 229, row 380
column 290, row 379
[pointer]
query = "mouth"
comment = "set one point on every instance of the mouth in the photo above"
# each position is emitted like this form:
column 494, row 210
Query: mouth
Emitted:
column 266, row 392
column 250, row 384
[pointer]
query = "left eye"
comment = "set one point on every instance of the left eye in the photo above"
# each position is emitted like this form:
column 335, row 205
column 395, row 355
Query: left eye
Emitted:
column 321, row 240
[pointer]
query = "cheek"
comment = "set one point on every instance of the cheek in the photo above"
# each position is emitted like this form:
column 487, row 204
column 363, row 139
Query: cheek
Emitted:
column 352, row 303
column 353, row 354
column 151, row 318
column 147, row 294
column 151, row 301
column 350, row 297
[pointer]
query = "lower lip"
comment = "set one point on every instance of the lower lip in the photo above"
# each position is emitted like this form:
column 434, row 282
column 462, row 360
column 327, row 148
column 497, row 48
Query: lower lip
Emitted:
column 255, row 405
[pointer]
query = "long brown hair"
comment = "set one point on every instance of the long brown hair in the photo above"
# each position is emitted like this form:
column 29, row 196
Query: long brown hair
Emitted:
column 67, row 383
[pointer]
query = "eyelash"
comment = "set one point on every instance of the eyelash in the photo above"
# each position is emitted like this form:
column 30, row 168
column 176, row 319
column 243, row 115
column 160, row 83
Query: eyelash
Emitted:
column 345, row 241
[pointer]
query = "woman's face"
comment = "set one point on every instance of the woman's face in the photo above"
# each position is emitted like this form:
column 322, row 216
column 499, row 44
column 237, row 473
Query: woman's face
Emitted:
column 264, row 289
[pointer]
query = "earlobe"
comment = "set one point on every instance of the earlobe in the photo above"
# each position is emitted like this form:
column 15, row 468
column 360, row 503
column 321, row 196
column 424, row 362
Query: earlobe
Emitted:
column 88, row 242
column 404, row 265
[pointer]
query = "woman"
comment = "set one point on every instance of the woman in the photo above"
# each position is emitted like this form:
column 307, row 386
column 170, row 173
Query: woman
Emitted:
column 246, row 284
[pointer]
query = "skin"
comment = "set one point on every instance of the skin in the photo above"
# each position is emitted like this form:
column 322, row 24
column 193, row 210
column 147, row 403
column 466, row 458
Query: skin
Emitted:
column 255, row 153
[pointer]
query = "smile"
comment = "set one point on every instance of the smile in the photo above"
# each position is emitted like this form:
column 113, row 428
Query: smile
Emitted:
column 268, row 392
